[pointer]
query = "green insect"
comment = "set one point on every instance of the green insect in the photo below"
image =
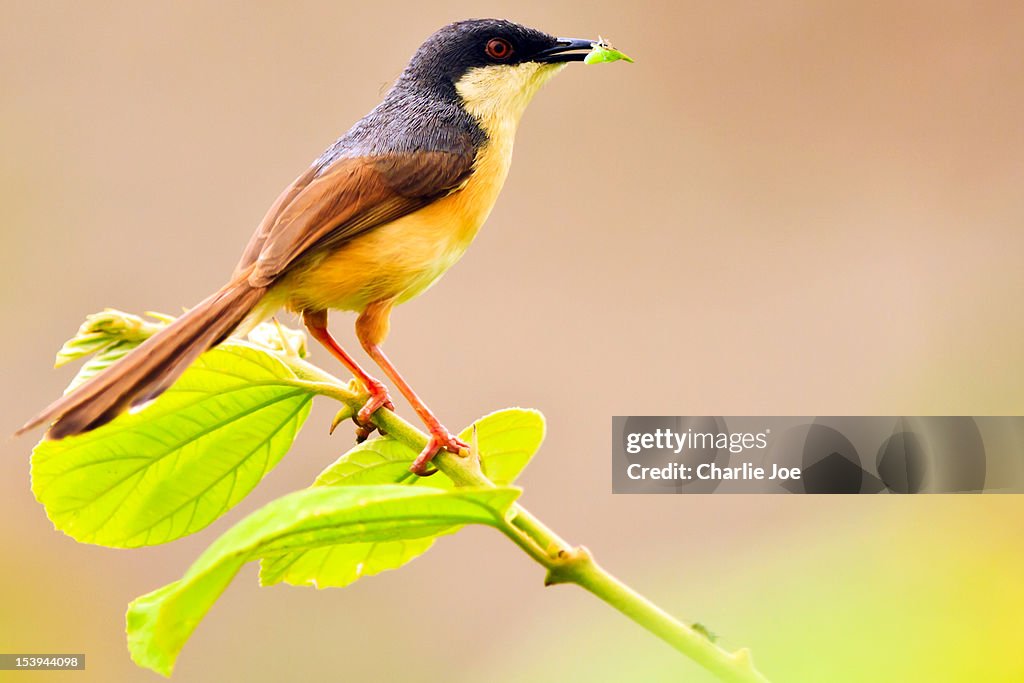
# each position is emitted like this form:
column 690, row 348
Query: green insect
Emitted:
column 704, row 631
column 603, row 52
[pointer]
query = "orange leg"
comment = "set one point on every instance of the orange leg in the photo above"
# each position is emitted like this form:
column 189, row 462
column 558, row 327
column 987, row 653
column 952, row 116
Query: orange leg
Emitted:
column 371, row 328
column 316, row 323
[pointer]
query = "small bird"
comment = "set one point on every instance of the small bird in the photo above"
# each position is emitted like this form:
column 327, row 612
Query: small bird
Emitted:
column 374, row 222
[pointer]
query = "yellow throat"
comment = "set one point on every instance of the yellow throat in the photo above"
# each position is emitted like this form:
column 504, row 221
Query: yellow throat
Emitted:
column 497, row 95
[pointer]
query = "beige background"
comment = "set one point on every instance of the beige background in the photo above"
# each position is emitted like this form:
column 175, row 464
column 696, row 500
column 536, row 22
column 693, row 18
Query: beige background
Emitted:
column 781, row 208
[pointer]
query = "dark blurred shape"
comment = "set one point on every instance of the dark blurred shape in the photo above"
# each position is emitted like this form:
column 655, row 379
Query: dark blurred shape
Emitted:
column 901, row 463
column 832, row 464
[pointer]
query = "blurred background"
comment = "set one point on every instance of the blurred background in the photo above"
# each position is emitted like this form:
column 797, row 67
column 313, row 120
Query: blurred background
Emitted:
column 782, row 208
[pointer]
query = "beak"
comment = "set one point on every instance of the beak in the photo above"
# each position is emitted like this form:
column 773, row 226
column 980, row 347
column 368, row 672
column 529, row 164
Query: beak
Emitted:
column 566, row 50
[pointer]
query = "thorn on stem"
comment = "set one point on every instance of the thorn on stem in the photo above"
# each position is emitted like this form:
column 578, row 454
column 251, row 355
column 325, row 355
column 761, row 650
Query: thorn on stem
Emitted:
column 566, row 565
column 340, row 417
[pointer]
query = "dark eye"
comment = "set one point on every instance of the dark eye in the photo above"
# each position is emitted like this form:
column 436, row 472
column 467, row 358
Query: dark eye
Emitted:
column 499, row 48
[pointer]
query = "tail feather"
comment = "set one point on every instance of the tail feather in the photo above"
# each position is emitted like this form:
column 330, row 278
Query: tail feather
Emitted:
column 153, row 366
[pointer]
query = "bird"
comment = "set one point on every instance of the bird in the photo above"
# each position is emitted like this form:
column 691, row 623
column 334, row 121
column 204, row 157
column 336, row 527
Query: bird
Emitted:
column 374, row 221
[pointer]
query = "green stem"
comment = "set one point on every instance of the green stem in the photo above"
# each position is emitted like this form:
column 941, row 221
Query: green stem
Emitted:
column 581, row 569
column 563, row 562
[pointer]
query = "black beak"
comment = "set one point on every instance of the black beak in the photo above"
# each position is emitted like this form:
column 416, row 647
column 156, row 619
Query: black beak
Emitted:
column 566, row 50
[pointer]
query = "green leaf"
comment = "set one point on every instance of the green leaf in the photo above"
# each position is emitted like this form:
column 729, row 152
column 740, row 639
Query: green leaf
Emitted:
column 100, row 330
column 159, row 623
column 337, row 566
column 605, row 53
column 176, row 465
column 377, row 461
column 506, row 440
column 101, row 361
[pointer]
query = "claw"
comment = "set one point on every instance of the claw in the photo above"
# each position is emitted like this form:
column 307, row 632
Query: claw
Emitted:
column 458, row 447
column 440, row 438
column 364, row 418
column 363, row 433
column 378, row 399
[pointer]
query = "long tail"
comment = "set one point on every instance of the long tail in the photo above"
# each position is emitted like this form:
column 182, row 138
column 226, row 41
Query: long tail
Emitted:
column 152, row 367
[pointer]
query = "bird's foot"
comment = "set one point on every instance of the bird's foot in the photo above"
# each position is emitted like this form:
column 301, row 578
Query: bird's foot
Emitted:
column 364, row 418
column 440, row 439
column 378, row 399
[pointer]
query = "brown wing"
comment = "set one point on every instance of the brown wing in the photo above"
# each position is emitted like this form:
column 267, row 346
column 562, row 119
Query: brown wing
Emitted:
column 252, row 250
column 351, row 196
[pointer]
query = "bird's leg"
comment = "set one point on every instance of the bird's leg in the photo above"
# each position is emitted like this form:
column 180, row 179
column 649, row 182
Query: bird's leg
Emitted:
column 440, row 437
column 316, row 323
column 371, row 328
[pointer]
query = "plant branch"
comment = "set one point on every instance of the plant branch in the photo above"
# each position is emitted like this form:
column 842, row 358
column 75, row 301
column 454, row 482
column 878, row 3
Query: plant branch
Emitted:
column 564, row 563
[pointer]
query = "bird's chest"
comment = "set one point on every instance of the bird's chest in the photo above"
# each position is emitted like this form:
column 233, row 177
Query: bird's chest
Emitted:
column 439, row 234
column 403, row 258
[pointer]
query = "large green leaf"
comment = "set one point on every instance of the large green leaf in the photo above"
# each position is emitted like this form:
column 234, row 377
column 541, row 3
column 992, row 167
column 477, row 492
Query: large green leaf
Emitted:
column 160, row 622
column 506, row 440
column 173, row 467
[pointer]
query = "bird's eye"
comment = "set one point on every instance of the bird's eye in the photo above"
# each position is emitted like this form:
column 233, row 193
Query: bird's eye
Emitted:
column 499, row 48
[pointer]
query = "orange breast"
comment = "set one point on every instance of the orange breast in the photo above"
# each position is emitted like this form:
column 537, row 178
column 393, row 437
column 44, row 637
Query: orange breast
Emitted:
column 400, row 259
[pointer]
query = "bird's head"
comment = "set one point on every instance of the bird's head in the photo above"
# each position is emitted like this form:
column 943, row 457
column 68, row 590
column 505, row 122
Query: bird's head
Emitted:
column 493, row 66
